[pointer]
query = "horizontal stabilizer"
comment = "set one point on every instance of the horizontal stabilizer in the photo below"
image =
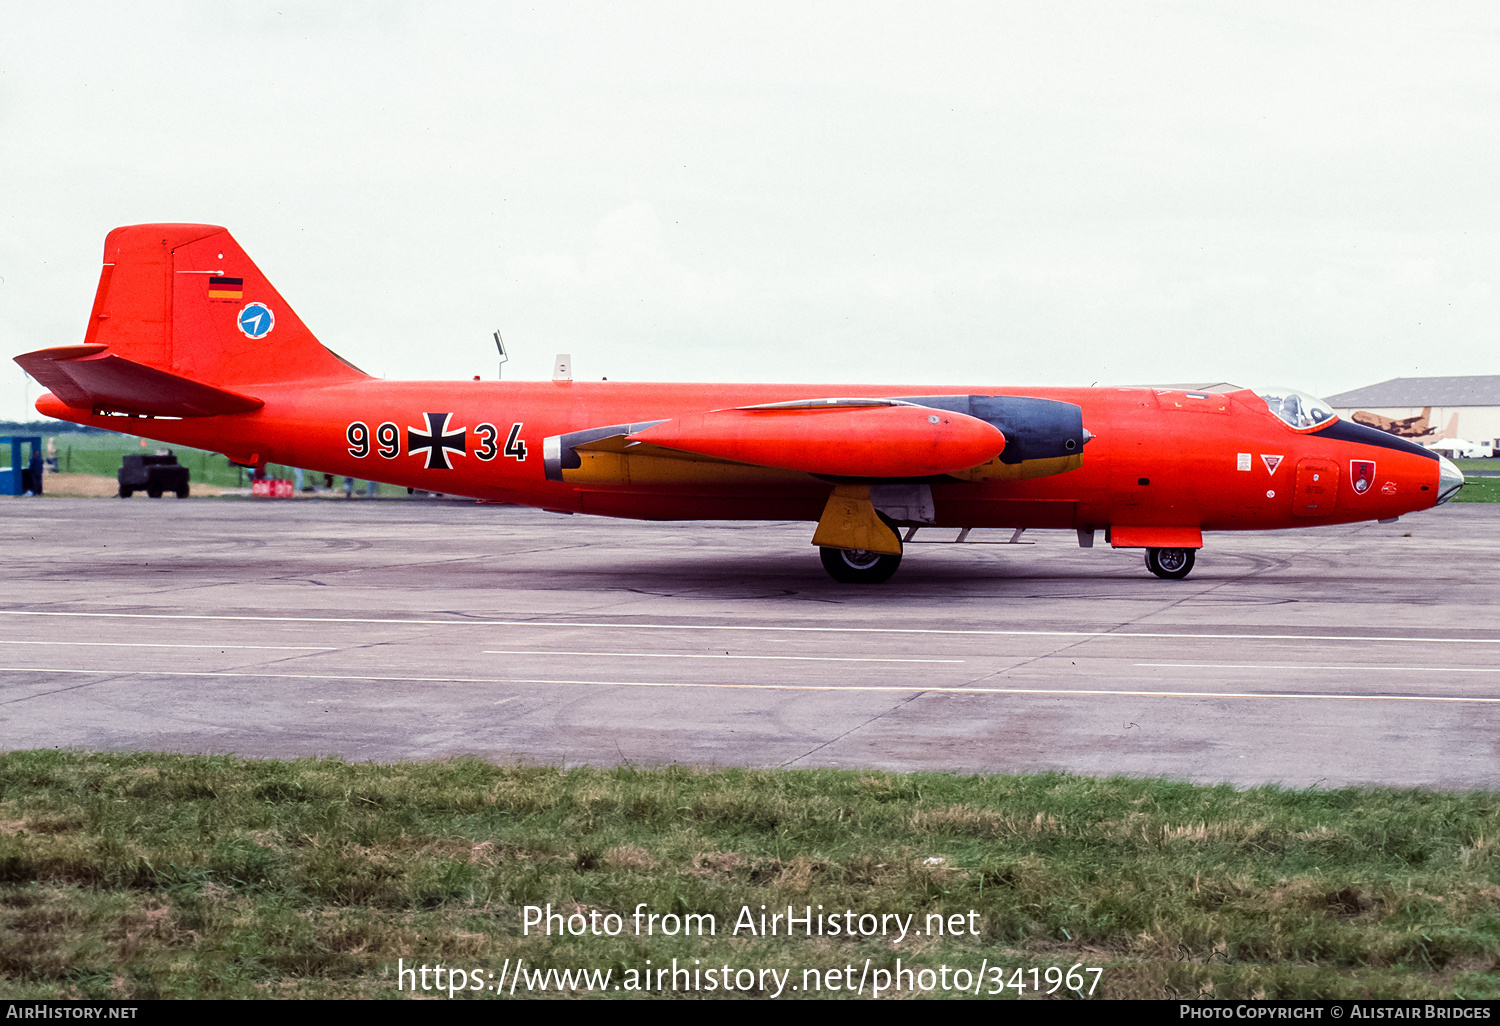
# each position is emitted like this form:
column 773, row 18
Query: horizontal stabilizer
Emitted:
column 835, row 439
column 91, row 378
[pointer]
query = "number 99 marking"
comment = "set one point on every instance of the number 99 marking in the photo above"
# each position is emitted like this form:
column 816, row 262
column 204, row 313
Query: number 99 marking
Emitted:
column 358, row 435
column 388, row 437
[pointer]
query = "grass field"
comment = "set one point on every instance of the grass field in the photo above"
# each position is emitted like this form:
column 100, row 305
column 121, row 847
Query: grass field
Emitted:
column 100, row 454
column 150, row 875
column 1479, row 489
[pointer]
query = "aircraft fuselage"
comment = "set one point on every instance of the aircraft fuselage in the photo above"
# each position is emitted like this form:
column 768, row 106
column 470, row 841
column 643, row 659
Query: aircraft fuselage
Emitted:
column 1156, row 457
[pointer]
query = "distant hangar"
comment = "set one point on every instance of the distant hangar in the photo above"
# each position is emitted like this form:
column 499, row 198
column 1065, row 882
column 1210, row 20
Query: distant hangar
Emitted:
column 1429, row 410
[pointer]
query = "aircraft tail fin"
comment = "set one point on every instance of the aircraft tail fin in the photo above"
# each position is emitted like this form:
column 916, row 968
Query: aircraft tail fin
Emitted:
column 184, row 324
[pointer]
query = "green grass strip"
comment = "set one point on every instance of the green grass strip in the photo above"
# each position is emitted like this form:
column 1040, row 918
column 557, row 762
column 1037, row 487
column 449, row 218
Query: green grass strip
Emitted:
column 149, row 875
column 1479, row 489
column 102, row 454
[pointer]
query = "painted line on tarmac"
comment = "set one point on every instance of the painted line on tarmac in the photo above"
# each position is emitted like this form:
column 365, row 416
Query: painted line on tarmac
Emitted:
column 1269, row 666
column 573, row 625
column 880, row 688
column 678, row 655
column 161, row 644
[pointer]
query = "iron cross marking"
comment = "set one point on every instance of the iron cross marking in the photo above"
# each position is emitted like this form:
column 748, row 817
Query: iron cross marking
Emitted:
column 437, row 441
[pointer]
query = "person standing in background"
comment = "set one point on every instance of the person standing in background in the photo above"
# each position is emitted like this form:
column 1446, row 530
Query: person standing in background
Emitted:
column 31, row 477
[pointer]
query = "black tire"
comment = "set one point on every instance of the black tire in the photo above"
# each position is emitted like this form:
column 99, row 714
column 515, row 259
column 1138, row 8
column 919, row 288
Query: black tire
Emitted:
column 153, row 493
column 182, row 493
column 126, row 493
column 1171, row 564
column 856, row 566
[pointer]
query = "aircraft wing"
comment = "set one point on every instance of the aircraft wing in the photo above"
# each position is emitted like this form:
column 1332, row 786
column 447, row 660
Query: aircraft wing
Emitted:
column 969, row 437
column 850, row 438
column 856, row 444
column 839, row 438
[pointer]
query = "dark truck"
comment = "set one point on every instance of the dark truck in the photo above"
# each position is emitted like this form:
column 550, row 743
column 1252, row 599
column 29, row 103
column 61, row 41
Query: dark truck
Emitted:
column 153, row 475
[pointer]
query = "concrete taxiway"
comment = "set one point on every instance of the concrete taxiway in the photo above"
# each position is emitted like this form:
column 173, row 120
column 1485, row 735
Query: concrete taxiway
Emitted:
column 410, row 629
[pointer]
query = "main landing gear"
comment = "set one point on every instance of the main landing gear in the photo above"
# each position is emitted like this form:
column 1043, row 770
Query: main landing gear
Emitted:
column 857, row 543
column 1170, row 564
column 858, row 566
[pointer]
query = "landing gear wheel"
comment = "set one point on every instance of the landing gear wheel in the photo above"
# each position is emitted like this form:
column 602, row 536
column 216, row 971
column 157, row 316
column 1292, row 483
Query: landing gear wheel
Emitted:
column 182, row 493
column 1171, row 564
column 857, row 566
column 126, row 493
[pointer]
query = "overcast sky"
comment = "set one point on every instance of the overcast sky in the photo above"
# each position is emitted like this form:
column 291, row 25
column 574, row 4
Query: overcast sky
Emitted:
column 988, row 194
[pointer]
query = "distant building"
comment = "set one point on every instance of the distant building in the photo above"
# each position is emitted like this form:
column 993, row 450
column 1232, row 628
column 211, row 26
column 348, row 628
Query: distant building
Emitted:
column 1428, row 410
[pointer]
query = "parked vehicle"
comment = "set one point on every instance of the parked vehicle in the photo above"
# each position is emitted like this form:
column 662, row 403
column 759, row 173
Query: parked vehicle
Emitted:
column 153, row 475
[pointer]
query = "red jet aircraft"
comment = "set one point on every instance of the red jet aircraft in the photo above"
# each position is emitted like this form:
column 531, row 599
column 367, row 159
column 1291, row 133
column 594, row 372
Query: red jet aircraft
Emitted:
column 188, row 343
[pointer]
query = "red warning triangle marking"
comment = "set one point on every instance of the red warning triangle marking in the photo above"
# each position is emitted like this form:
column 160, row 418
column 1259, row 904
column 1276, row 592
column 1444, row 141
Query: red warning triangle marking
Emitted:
column 1271, row 462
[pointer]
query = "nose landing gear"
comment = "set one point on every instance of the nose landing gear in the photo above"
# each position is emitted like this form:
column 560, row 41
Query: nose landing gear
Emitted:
column 1170, row 564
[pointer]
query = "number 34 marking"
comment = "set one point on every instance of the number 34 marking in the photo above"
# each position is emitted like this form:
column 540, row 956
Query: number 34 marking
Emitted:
column 515, row 448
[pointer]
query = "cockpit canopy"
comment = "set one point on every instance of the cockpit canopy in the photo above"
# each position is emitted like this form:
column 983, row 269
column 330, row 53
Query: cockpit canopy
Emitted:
column 1298, row 409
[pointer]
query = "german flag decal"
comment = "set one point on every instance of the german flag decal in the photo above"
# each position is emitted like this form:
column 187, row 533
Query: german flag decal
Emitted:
column 226, row 288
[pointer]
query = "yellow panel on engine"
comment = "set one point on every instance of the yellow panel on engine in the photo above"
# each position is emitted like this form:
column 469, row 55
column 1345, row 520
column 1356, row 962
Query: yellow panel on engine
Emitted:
column 653, row 468
column 994, row 470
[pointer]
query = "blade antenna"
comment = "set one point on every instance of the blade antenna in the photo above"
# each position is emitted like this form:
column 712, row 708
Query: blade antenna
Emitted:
column 500, row 345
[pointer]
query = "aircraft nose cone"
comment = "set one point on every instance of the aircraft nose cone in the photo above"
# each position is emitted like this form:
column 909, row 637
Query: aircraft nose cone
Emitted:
column 1450, row 480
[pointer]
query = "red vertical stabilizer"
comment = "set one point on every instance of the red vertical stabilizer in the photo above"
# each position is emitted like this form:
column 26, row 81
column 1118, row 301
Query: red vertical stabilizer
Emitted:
column 185, row 299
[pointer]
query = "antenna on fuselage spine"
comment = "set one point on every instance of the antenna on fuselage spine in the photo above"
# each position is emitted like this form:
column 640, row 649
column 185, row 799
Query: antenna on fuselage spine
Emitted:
column 500, row 345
